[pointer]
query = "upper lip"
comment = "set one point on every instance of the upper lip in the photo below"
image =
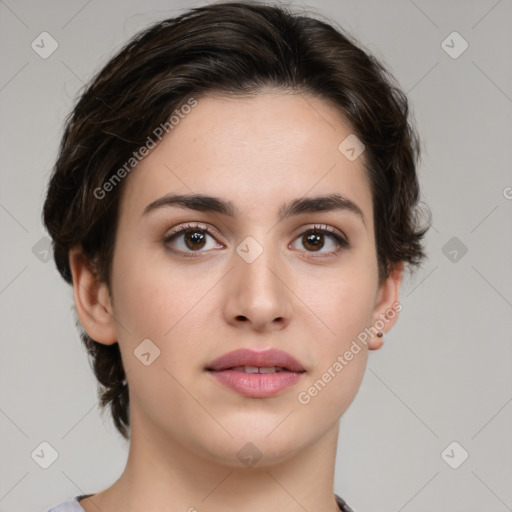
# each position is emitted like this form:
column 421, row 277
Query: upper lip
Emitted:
column 246, row 357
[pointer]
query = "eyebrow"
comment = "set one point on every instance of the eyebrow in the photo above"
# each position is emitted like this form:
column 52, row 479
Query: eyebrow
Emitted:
column 205, row 203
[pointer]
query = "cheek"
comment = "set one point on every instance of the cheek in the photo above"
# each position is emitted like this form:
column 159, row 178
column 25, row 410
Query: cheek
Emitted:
column 150, row 295
column 355, row 305
column 340, row 356
column 342, row 303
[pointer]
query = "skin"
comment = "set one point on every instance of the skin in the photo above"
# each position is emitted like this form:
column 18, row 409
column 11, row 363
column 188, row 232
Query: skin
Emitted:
column 186, row 428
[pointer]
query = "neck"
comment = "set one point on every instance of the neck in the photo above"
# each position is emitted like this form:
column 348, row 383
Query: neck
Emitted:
column 163, row 475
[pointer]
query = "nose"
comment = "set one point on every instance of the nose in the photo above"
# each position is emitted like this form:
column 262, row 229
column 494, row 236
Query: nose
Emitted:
column 259, row 295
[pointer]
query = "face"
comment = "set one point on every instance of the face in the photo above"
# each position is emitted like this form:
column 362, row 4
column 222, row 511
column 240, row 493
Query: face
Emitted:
column 264, row 267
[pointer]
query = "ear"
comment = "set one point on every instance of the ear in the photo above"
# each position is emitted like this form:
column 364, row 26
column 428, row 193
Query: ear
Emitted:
column 387, row 305
column 92, row 300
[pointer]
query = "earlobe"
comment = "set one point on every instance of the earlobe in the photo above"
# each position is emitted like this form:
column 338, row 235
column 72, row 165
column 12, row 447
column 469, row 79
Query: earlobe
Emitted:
column 387, row 305
column 92, row 300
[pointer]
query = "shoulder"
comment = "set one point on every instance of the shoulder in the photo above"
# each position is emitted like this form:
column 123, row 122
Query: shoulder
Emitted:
column 342, row 504
column 70, row 505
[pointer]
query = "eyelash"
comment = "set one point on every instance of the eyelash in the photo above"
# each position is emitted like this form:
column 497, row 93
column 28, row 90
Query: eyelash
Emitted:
column 340, row 241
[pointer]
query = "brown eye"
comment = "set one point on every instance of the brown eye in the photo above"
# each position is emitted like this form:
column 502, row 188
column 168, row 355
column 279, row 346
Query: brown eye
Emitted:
column 189, row 239
column 318, row 238
column 313, row 241
column 194, row 239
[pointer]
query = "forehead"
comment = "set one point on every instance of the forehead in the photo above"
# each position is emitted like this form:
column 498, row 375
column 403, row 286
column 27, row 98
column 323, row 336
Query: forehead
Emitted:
column 256, row 151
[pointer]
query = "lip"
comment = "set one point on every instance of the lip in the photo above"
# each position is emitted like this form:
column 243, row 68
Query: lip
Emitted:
column 248, row 357
column 256, row 385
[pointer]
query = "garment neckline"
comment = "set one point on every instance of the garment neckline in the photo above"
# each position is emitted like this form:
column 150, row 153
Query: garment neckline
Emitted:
column 339, row 501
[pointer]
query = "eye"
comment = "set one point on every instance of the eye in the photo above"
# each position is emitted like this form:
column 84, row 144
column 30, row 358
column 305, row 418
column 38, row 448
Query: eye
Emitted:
column 190, row 238
column 319, row 237
column 193, row 238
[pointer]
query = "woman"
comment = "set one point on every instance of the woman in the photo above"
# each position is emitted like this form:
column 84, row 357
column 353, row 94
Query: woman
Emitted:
column 234, row 202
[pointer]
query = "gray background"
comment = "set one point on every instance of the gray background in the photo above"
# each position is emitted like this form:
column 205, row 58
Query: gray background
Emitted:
column 444, row 373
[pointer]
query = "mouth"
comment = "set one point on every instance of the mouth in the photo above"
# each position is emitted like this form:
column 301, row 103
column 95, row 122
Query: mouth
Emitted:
column 259, row 369
column 256, row 374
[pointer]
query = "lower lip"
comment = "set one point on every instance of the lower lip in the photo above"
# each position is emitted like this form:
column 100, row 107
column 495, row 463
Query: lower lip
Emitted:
column 257, row 385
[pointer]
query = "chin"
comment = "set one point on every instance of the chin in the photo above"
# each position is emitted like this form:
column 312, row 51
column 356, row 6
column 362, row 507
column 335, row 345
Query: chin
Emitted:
column 255, row 447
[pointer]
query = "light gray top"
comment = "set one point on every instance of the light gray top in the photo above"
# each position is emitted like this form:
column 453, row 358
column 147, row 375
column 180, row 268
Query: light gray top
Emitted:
column 70, row 505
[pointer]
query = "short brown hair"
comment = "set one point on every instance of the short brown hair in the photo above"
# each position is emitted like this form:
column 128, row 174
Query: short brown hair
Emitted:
column 235, row 48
